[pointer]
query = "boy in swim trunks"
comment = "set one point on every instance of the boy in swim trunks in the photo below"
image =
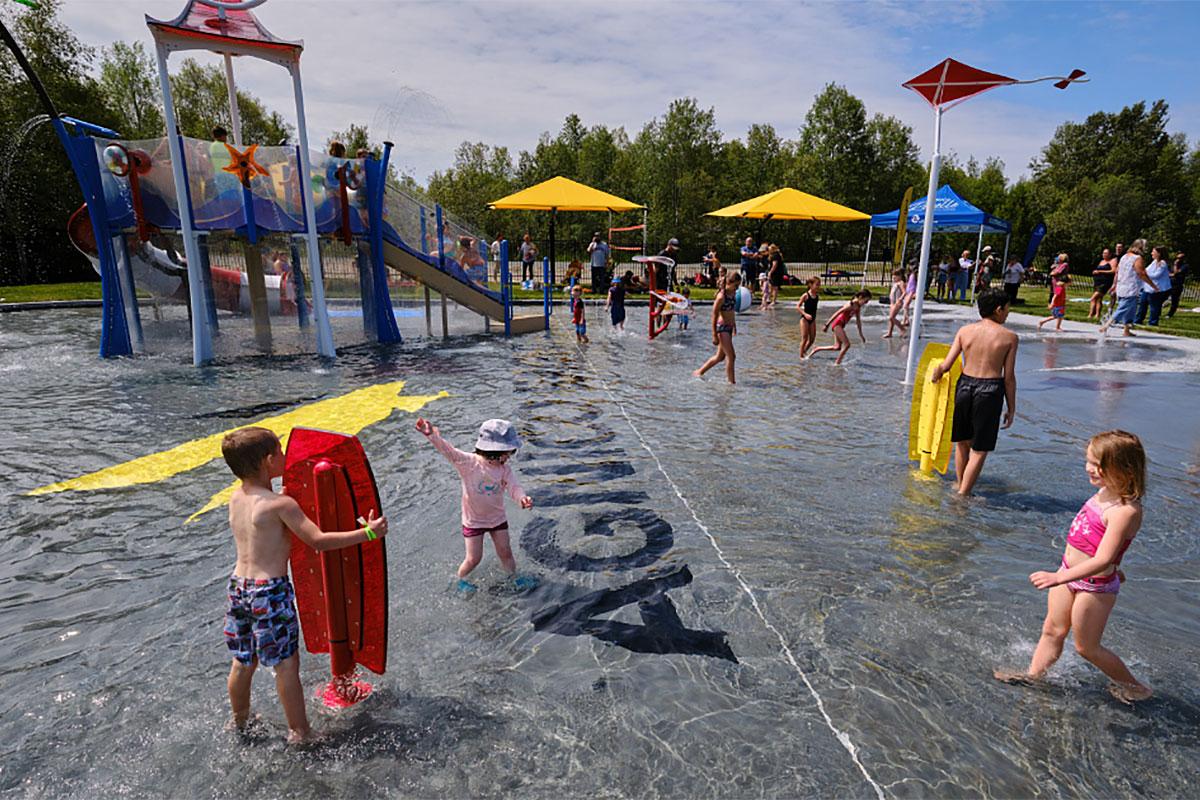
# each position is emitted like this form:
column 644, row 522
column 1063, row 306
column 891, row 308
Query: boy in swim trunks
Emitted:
column 261, row 626
column 988, row 384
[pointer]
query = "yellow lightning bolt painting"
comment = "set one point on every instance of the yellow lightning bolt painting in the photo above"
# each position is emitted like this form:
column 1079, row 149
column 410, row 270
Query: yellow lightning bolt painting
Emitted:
column 348, row 413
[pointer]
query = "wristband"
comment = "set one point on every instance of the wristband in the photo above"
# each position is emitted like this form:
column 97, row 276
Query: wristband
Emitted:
column 370, row 533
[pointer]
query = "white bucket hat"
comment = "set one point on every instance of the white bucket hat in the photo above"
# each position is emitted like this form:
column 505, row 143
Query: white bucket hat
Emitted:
column 497, row 436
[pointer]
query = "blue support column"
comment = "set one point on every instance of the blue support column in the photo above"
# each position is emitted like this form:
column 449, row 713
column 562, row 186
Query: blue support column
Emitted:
column 114, row 327
column 441, row 239
column 546, row 307
column 506, row 288
column 383, row 316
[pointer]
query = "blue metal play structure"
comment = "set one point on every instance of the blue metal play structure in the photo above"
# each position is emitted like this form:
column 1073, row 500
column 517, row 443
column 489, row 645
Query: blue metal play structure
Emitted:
column 144, row 196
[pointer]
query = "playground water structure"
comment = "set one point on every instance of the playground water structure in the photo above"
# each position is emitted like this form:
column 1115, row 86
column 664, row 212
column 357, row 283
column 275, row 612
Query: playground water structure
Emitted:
column 816, row 620
column 134, row 191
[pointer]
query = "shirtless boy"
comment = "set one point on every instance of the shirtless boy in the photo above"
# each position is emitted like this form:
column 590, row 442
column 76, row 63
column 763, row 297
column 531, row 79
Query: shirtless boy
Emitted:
column 988, row 385
column 261, row 625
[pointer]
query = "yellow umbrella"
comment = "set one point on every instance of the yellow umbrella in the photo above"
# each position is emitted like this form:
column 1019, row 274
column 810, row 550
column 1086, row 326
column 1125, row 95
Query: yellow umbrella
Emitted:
column 562, row 194
column 790, row 204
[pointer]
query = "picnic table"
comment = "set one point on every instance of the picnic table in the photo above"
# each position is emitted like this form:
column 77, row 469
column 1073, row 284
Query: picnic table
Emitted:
column 839, row 275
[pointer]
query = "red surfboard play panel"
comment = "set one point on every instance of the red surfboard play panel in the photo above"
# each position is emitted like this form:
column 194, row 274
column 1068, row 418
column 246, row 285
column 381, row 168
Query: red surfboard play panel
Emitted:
column 328, row 474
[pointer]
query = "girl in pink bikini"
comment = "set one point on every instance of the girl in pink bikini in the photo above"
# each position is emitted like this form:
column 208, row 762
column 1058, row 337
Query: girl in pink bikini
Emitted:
column 1084, row 589
column 851, row 311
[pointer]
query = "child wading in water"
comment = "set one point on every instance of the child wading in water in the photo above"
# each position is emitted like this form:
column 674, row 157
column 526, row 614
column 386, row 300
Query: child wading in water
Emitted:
column 838, row 323
column 616, row 303
column 724, row 326
column 1084, row 589
column 808, row 315
column 261, row 626
column 1058, row 302
column 988, row 383
column 486, row 478
column 896, row 298
column 686, row 309
column 577, row 314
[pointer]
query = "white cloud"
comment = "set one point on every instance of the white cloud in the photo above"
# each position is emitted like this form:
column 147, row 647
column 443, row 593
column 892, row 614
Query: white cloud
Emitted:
column 429, row 75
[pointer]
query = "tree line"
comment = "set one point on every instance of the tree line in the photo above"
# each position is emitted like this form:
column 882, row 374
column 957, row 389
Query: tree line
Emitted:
column 1115, row 176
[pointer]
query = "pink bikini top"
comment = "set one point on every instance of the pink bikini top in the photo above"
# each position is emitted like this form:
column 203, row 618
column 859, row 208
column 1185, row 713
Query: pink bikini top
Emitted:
column 1088, row 529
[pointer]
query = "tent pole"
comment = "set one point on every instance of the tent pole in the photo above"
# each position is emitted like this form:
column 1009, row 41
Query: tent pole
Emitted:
column 867, row 255
column 1004, row 261
column 645, row 231
column 553, row 263
column 975, row 276
column 914, row 332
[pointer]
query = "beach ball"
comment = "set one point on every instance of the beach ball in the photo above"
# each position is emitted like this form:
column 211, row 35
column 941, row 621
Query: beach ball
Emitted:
column 116, row 160
column 743, row 299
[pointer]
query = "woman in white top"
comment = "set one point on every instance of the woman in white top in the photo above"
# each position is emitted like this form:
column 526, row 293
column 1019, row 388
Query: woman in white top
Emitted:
column 1156, row 289
column 1131, row 272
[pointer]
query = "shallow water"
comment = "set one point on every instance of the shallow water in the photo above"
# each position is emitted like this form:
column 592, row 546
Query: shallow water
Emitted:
column 814, row 620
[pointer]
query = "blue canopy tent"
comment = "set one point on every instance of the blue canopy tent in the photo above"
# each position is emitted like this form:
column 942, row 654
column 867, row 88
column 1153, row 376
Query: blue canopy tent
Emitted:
column 951, row 214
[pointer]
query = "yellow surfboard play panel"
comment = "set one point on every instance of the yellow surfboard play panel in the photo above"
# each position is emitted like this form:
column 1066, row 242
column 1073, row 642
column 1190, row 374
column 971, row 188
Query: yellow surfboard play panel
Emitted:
column 932, row 411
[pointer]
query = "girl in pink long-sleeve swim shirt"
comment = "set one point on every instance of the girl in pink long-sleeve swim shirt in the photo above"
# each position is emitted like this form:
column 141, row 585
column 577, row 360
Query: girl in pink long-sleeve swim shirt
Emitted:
column 486, row 478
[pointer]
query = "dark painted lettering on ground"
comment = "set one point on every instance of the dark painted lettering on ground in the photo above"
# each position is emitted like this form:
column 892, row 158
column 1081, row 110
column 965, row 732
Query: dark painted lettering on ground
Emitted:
column 661, row 630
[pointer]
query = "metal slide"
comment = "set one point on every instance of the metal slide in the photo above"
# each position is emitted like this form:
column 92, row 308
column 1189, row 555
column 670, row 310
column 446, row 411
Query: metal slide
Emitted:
column 424, row 270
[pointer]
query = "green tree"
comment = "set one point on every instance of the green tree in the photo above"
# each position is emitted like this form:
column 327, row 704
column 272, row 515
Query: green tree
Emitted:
column 836, row 139
column 1116, row 176
column 356, row 137
column 38, row 193
column 481, row 173
column 202, row 101
column 129, row 86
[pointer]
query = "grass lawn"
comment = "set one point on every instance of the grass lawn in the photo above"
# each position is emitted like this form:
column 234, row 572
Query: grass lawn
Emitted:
column 38, row 292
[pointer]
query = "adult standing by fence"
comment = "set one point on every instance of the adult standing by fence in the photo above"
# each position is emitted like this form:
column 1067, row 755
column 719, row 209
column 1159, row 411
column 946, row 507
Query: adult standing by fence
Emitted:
column 598, row 259
column 529, row 254
column 671, row 251
column 1102, row 281
column 1131, row 273
column 962, row 278
column 1156, row 288
column 749, row 265
column 1179, row 272
column 1013, row 273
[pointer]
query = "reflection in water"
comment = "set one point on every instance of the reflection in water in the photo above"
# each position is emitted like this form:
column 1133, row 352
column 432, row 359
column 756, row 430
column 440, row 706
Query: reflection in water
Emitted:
column 1050, row 354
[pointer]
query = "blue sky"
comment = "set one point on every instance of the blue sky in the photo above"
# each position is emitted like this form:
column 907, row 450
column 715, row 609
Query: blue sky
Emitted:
column 430, row 74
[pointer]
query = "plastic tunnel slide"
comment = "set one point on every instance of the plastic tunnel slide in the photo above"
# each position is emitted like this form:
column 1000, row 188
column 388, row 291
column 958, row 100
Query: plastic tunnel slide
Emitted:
column 457, row 287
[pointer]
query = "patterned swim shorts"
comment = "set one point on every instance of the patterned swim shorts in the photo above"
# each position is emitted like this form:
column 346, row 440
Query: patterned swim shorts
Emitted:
column 261, row 621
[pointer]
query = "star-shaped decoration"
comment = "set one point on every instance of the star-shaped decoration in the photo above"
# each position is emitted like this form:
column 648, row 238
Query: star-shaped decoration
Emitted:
column 243, row 164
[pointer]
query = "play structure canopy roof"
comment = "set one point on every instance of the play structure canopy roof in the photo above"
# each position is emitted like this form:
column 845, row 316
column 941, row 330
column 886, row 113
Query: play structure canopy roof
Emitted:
column 790, row 203
column 951, row 214
column 234, row 31
column 563, row 194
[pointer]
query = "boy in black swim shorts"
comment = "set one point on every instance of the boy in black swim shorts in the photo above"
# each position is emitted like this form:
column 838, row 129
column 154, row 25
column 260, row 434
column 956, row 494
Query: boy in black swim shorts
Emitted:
column 261, row 625
column 987, row 385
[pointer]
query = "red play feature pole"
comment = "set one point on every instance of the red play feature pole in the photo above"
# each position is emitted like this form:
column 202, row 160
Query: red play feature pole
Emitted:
column 336, row 567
